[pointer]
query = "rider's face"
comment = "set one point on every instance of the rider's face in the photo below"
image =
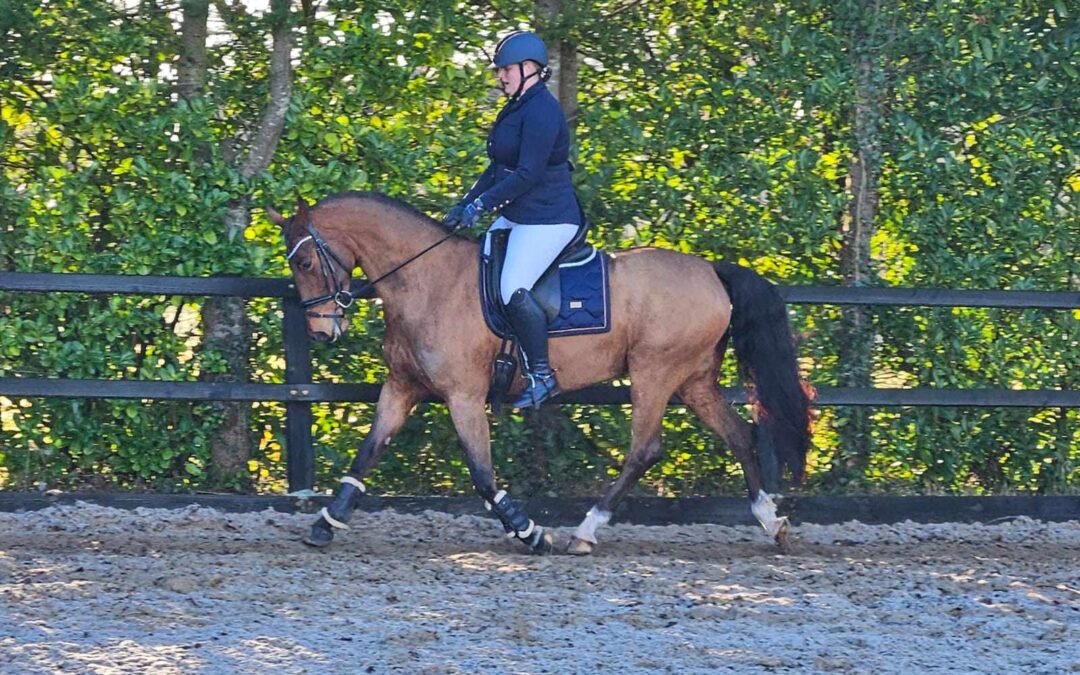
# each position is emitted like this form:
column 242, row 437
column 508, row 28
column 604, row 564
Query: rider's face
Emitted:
column 509, row 77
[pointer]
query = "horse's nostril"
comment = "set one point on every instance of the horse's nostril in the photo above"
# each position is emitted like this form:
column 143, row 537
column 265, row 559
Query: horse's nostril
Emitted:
column 319, row 336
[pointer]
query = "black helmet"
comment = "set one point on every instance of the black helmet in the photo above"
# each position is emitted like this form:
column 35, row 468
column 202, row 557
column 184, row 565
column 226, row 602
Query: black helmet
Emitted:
column 519, row 47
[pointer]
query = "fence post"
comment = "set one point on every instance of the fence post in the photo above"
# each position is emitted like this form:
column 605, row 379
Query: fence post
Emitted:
column 299, row 453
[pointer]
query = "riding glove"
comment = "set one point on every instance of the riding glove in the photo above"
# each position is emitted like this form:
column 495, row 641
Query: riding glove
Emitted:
column 471, row 213
column 452, row 219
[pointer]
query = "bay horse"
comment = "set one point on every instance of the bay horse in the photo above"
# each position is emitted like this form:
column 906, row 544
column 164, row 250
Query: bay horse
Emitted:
column 672, row 316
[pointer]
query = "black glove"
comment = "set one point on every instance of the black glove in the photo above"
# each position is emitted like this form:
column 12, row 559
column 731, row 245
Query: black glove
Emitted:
column 452, row 219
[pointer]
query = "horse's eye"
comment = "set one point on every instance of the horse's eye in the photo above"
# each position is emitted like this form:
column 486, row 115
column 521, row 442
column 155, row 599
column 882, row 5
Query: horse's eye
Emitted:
column 306, row 265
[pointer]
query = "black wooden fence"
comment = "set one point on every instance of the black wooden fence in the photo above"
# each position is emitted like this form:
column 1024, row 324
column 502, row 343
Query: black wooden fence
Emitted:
column 298, row 392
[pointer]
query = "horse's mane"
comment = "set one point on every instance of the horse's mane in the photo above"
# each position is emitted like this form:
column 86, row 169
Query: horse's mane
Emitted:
column 385, row 200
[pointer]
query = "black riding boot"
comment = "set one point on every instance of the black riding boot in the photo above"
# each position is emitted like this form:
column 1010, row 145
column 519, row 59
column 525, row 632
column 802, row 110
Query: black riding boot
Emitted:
column 530, row 325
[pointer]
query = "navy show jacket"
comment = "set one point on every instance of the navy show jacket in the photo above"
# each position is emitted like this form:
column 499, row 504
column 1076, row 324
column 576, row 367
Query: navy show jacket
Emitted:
column 528, row 179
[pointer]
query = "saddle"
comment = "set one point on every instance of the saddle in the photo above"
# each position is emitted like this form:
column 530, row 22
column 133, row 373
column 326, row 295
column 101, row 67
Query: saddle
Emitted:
column 573, row 292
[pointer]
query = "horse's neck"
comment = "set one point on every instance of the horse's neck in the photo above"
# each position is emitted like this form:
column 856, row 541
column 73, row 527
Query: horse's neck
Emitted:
column 383, row 238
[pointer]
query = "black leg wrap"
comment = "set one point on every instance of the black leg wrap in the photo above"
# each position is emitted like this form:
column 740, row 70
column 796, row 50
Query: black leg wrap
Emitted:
column 336, row 515
column 345, row 502
column 518, row 524
column 513, row 517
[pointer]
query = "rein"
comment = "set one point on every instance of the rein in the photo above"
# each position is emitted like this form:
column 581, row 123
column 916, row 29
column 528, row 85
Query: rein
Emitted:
column 341, row 296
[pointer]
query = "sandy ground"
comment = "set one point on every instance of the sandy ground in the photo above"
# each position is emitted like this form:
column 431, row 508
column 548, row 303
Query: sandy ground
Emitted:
column 91, row 589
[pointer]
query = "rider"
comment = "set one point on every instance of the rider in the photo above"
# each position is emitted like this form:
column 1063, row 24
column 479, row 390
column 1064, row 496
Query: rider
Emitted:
column 528, row 183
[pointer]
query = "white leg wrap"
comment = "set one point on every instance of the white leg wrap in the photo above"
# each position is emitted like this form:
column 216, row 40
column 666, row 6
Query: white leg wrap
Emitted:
column 337, row 524
column 764, row 509
column 522, row 535
column 586, row 531
column 498, row 496
column 352, row 481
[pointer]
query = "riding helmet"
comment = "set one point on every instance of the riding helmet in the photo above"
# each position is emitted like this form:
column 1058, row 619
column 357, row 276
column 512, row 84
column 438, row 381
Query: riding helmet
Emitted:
column 519, row 47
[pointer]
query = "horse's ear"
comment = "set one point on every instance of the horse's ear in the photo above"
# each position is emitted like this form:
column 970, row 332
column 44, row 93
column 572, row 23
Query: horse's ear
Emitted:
column 276, row 217
column 301, row 208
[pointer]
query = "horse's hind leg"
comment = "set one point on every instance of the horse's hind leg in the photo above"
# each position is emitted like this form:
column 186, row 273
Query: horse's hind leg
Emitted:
column 396, row 401
column 703, row 396
column 471, row 423
column 645, row 451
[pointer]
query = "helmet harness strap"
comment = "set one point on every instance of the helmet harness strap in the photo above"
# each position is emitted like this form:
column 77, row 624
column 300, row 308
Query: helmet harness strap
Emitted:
column 523, row 78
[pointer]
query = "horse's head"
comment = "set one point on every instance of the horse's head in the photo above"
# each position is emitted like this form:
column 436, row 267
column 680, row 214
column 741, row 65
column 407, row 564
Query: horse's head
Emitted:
column 322, row 270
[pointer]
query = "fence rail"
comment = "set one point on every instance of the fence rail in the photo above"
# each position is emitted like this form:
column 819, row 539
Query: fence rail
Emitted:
column 298, row 392
column 596, row 395
column 283, row 288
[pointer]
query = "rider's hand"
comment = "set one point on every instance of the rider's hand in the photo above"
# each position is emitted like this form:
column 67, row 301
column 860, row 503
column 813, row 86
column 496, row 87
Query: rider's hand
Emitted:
column 452, row 219
column 471, row 213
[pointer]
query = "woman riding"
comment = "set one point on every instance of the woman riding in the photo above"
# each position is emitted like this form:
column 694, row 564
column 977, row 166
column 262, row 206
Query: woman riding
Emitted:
column 528, row 184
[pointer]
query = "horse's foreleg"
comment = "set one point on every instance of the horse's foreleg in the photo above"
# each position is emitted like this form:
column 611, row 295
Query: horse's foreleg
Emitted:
column 703, row 397
column 396, row 401
column 471, row 423
column 645, row 451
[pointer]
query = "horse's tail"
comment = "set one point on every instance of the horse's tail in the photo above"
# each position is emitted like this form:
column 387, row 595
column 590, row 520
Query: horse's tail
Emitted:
column 765, row 351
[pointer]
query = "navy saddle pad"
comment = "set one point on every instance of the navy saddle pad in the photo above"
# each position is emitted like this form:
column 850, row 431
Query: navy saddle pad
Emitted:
column 574, row 292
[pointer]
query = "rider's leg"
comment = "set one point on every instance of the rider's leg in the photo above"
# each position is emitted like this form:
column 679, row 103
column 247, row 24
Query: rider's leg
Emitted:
column 530, row 327
column 530, row 251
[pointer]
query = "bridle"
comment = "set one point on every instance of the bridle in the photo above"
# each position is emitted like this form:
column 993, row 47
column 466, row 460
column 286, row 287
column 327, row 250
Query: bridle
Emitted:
column 342, row 297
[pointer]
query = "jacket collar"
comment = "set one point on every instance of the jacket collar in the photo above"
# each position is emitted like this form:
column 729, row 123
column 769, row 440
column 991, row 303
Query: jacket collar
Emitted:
column 530, row 93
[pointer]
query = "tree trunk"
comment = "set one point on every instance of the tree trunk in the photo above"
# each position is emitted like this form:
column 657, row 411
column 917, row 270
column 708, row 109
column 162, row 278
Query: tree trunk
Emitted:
column 857, row 229
column 191, row 68
column 226, row 328
column 552, row 17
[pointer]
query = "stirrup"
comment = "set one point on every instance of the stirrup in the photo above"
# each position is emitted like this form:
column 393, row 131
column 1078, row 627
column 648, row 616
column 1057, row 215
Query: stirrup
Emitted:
column 539, row 390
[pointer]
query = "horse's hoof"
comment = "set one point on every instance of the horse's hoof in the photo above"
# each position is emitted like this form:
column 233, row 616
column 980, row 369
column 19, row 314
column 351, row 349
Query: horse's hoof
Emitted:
column 321, row 534
column 545, row 544
column 579, row 546
column 782, row 542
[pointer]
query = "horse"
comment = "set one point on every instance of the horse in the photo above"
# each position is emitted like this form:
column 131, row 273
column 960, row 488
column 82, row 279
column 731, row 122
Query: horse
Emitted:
column 673, row 315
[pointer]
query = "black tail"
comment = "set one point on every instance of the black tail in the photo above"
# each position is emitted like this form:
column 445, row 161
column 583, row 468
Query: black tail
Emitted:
column 765, row 350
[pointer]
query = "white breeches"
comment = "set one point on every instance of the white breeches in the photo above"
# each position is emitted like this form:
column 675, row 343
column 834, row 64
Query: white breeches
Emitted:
column 529, row 252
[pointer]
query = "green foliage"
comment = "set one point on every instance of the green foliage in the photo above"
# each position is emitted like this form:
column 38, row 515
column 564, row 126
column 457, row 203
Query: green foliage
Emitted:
column 720, row 128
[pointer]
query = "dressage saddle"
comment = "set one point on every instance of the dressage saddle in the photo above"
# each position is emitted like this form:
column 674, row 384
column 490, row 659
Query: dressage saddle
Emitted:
column 548, row 289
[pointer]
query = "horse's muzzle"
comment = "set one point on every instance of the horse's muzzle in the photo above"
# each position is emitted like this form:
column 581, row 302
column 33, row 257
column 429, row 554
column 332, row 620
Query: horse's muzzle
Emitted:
column 326, row 327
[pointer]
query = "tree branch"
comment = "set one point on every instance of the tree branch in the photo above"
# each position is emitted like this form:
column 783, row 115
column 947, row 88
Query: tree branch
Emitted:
column 272, row 122
column 231, row 15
